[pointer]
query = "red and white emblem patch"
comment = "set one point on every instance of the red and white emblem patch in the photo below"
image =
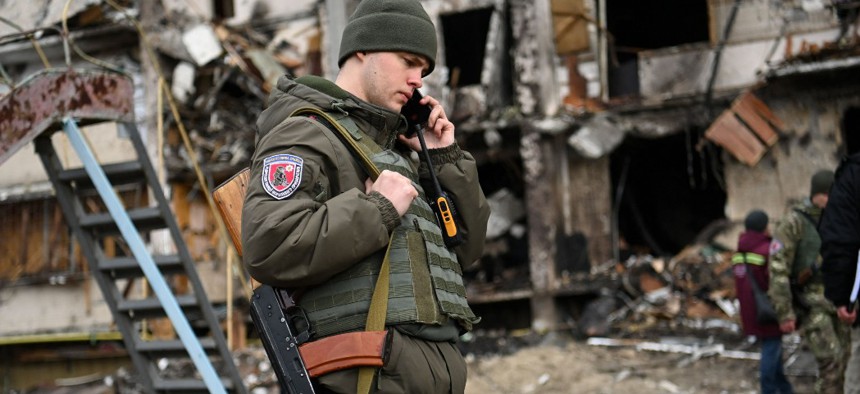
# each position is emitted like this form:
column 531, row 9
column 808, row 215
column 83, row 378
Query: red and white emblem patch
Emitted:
column 775, row 246
column 282, row 175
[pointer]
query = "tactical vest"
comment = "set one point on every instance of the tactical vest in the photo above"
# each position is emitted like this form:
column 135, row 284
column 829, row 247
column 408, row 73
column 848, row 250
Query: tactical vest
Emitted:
column 426, row 280
column 808, row 246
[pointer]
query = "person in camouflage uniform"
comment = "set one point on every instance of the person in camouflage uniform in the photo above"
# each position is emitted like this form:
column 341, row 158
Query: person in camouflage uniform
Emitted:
column 797, row 289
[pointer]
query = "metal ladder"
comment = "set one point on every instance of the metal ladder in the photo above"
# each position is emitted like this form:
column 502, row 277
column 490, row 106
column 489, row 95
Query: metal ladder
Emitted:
column 90, row 202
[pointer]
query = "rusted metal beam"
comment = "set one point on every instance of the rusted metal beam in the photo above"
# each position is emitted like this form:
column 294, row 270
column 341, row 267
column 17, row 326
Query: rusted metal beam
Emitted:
column 39, row 104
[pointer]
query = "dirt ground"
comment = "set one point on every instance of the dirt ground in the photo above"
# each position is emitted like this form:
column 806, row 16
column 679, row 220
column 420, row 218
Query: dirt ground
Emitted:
column 574, row 366
column 525, row 363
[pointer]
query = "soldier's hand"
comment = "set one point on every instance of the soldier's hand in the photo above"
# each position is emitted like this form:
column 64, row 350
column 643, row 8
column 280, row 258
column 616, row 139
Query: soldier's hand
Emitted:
column 787, row 326
column 395, row 187
column 803, row 276
column 845, row 316
column 439, row 132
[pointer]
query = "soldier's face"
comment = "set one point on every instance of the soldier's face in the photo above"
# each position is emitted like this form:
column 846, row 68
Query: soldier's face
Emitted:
column 390, row 77
column 820, row 200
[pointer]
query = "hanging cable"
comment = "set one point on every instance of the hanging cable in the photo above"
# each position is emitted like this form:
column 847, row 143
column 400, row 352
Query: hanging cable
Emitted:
column 715, row 65
column 709, row 93
column 688, row 146
column 32, row 39
column 78, row 50
column 153, row 58
column 775, row 44
column 171, row 102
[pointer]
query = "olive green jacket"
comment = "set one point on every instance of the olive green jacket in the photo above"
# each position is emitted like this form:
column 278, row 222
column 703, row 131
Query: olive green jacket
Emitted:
column 791, row 234
column 329, row 223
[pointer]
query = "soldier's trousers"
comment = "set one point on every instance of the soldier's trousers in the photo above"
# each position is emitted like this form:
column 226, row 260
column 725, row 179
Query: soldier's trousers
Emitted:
column 829, row 340
column 413, row 366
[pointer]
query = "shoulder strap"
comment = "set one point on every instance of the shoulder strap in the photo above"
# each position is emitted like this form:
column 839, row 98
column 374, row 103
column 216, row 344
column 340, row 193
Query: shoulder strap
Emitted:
column 358, row 144
column 808, row 217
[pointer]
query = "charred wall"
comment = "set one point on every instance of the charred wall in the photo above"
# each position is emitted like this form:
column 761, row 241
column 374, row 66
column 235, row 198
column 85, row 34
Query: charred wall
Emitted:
column 666, row 191
column 818, row 110
column 635, row 26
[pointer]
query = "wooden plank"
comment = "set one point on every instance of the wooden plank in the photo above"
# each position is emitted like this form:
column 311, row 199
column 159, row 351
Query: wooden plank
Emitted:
column 728, row 132
column 744, row 108
column 591, row 177
column 25, row 233
column 23, row 251
column 57, row 240
column 570, row 25
column 229, row 197
column 762, row 109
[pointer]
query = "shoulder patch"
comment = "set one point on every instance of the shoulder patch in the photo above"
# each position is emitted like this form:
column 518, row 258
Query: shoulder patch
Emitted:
column 282, row 175
column 775, row 246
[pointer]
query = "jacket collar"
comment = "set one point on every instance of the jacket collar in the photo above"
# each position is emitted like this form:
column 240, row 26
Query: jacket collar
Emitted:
column 381, row 124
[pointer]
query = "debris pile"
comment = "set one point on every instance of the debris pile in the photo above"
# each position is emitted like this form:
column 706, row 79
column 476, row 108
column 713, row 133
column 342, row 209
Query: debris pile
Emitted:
column 220, row 78
column 694, row 289
column 503, row 266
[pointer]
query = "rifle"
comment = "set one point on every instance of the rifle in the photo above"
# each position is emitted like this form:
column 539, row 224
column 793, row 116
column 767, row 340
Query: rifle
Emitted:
column 284, row 327
column 281, row 338
column 270, row 308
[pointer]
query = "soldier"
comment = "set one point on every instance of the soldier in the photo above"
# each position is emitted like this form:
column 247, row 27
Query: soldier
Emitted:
column 326, row 227
column 797, row 289
column 840, row 243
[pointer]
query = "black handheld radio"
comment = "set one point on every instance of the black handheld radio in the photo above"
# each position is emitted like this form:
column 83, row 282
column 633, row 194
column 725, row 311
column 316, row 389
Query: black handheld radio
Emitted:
column 416, row 116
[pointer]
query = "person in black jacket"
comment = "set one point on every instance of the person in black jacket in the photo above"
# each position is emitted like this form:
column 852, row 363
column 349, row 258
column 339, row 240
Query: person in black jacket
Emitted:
column 840, row 243
column 840, row 235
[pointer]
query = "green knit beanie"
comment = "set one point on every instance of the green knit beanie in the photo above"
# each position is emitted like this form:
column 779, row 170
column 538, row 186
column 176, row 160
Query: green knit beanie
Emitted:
column 821, row 182
column 389, row 26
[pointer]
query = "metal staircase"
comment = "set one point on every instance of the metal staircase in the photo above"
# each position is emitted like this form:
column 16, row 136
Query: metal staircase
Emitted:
column 106, row 208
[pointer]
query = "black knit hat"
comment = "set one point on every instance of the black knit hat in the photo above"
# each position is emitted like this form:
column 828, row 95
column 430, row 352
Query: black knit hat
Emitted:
column 821, row 182
column 389, row 26
column 756, row 221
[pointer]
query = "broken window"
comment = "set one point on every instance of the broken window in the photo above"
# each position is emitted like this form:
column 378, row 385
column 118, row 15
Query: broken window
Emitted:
column 637, row 25
column 504, row 267
column 224, row 9
column 465, row 35
column 669, row 192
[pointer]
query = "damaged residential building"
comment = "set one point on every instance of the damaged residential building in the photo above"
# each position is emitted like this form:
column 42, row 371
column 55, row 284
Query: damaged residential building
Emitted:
column 607, row 133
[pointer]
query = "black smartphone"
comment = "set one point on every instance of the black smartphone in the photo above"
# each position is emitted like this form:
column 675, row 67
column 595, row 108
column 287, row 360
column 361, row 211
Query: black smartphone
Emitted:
column 416, row 114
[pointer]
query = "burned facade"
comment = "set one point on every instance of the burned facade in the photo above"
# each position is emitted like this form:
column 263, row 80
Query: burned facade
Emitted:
column 606, row 133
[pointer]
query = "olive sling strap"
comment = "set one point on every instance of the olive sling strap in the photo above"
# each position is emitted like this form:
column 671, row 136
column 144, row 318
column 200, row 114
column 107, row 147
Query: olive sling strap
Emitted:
column 357, row 349
column 379, row 300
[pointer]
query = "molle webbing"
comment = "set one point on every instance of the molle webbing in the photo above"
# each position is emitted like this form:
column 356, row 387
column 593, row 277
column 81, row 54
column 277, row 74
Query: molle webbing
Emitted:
column 426, row 284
